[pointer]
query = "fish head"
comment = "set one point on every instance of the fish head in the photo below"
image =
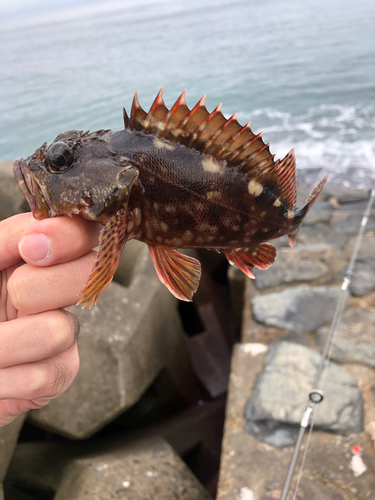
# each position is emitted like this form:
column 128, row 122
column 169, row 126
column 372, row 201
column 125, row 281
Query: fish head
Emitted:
column 77, row 173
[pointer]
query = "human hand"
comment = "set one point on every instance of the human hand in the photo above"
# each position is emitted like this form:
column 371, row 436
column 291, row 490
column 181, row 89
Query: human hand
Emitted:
column 43, row 267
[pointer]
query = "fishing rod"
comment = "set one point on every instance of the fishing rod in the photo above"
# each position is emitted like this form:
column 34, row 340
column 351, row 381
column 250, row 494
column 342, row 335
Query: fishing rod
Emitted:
column 316, row 395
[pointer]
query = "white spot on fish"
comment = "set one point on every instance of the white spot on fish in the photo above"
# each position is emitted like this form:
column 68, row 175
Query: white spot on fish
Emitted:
column 263, row 213
column 233, row 242
column 199, row 205
column 204, row 227
column 290, row 214
column 235, row 227
column 162, row 145
column 255, row 188
column 188, row 209
column 210, row 238
column 164, row 226
column 277, row 202
column 200, row 240
column 137, row 215
column 210, row 166
column 227, row 222
column 188, row 235
column 151, row 180
column 130, row 226
column 170, row 208
column 156, row 205
column 213, row 195
column 177, row 241
column 159, row 239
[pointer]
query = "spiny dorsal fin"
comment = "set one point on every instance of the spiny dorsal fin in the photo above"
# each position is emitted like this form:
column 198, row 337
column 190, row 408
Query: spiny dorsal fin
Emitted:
column 209, row 133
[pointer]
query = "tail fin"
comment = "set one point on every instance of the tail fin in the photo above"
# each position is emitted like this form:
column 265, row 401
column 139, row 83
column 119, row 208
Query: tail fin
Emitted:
column 301, row 212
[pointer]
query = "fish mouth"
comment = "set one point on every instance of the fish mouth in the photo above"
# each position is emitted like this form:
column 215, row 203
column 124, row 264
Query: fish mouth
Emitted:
column 31, row 190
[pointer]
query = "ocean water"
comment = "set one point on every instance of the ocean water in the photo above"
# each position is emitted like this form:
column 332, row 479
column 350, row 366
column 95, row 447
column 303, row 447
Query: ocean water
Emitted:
column 301, row 71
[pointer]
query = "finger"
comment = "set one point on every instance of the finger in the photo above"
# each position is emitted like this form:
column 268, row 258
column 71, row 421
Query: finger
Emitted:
column 32, row 290
column 10, row 231
column 58, row 239
column 10, row 409
column 37, row 337
column 45, row 379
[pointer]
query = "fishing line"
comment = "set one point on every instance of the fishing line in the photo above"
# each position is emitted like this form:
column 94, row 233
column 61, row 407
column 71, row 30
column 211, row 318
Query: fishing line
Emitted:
column 316, row 396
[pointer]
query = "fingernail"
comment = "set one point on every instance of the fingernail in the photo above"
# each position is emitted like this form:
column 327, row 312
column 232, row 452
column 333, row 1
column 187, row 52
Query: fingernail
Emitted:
column 34, row 247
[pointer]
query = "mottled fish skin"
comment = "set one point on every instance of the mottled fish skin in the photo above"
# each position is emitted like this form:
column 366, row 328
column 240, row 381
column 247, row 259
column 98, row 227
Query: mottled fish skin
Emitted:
column 175, row 178
column 192, row 200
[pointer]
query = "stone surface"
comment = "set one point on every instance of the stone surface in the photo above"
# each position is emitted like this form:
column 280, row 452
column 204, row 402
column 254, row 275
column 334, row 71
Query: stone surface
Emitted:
column 321, row 211
column 146, row 471
column 346, row 195
column 137, row 469
column 126, row 340
column 351, row 224
column 309, row 489
column 354, row 341
column 321, row 233
column 8, row 440
column 289, row 267
column 275, row 409
column 11, row 199
column 367, row 244
column 363, row 281
column 246, row 462
column 301, row 308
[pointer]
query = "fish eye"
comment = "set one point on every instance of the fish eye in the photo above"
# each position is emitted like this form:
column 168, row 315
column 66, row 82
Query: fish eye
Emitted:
column 59, row 157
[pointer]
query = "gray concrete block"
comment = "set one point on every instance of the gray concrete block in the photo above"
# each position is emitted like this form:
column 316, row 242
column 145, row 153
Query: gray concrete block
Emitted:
column 11, row 199
column 137, row 469
column 126, row 340
column 301, row 309
column 8, row 441
column 145, row 471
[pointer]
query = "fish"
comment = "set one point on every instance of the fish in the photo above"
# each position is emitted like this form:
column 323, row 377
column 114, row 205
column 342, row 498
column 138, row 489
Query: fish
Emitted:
column 174, row 179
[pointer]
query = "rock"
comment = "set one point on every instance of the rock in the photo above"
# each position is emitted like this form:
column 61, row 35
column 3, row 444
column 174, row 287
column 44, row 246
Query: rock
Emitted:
column 363, row 281
column 11, row 199
column 8, row 440
column 367, row 245
column 351, row 224
column 275, row 408
column 289, row 267
column 301, row 309
column 354, row 341
column 321, row 233
column 346, row 195
column 126, row 340
column 321, row 211
column 138, row 469
column 246, row 462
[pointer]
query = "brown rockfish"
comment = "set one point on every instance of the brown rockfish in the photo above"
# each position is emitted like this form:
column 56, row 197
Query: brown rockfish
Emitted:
column 173, row 178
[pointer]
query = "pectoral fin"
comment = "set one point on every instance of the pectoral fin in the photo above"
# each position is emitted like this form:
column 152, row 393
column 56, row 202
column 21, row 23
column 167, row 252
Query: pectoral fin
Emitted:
column 178, row 272
column 112, row 240
column 260, row 255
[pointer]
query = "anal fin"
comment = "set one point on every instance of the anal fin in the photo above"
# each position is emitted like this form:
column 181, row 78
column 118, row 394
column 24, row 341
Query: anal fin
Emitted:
column 179, row 273
column 112, row 240
column 261, row 255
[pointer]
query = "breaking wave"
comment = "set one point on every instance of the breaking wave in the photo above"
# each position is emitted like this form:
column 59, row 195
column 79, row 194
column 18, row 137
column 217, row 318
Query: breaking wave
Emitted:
column 339, row 139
